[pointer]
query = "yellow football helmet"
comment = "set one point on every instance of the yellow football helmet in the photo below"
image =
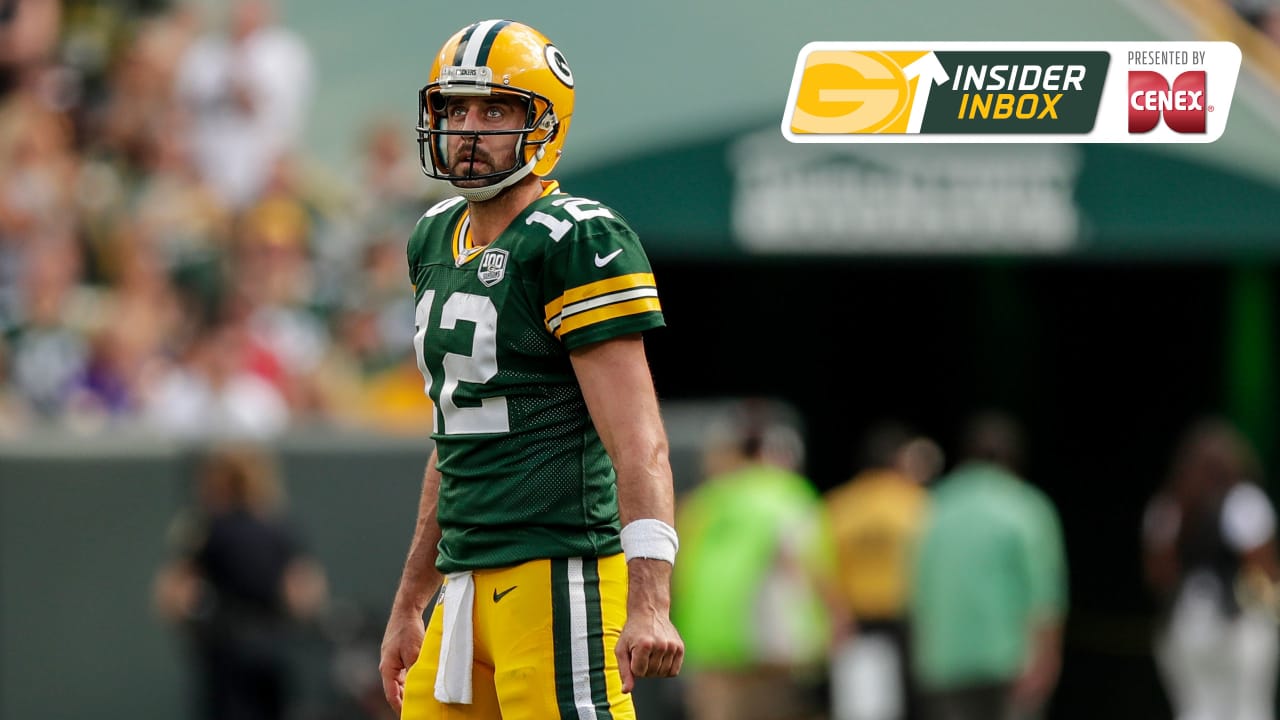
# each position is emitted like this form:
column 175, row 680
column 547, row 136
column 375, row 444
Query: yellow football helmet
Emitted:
column 489, row 57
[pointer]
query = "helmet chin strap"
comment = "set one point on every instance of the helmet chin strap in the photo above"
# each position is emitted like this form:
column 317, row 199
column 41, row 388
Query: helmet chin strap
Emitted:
column 489, row 192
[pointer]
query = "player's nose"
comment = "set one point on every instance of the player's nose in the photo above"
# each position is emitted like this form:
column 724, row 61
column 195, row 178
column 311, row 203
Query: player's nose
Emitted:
column 469, row 118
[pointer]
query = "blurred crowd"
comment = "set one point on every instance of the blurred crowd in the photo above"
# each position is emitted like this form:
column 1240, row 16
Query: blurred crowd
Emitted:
column 933, row 585
column 171, row 256
column 915, row 589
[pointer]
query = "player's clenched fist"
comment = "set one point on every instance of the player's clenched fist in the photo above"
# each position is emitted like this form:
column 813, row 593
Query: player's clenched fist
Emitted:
column 400, row 646
column 649, row 645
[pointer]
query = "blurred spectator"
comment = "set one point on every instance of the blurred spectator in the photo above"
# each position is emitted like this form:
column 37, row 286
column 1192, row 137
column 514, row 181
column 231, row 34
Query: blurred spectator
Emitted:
column 95, row 34
column 13, row 412
column 387, row 400
column 41, row 264
column 393, row 192
column 1210, row 559
column 247, row 92
column 49, row 352
column 28, row 38
column 876, row 518
column 171, row 201
column 137, row 77
column 38, row 172
column 990, row 593
column 753, row 592
column 1264, row 15
column 139, row 321
column 219, row 388
column 240, row 581
column 272, row 274
column 921, row 460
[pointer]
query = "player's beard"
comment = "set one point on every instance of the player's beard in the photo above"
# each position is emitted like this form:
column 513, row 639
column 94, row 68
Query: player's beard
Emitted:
column 474, row 161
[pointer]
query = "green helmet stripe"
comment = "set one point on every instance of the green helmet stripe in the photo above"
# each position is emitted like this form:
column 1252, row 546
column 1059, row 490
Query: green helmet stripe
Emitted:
column 483, row 57
column 462, row 44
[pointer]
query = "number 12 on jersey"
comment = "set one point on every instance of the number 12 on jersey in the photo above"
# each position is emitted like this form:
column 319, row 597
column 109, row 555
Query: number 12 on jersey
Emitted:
column 480, row 366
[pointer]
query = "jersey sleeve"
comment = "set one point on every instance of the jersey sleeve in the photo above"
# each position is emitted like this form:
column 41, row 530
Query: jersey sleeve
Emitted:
column 429, row 232
column 597, row 282
column 414, row 250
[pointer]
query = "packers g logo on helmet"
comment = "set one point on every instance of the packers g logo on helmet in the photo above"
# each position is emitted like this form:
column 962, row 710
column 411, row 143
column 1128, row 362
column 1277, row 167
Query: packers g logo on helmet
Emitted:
column 498, row 57
column 559, row 66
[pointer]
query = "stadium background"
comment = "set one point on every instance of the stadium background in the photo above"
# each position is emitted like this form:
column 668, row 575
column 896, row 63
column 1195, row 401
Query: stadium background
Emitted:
column 1148, row 299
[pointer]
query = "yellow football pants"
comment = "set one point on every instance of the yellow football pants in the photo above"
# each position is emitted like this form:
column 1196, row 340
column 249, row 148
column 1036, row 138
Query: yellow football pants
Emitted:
column 544, row 635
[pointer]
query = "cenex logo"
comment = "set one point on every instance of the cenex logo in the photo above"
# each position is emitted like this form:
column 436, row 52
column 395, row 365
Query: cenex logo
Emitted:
column 1182, row 105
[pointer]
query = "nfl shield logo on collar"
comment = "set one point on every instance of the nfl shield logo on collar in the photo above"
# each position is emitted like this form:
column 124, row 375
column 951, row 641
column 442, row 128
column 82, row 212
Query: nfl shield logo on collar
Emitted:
column 493, row 266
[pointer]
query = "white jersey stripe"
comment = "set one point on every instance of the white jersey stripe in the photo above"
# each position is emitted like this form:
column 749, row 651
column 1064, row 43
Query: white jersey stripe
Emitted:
column 595, row 302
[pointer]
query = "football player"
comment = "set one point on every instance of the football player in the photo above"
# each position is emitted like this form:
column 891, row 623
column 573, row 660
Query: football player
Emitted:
column 547, row 504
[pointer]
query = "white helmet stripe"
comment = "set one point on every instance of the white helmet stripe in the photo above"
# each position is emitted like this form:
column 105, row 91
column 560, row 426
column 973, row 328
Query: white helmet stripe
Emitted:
column 479, row 39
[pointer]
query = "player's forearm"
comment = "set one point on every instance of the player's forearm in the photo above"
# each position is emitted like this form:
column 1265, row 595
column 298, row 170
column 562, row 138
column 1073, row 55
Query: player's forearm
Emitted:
column 618, row 389
column 648, row 586
column 645, row 492
column 616, row 384
column 420, row 579
column 644, row 480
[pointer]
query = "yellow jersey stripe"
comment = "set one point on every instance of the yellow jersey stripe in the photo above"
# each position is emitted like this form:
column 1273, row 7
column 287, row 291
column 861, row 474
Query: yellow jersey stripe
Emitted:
column 553, row 323
column 462, row 235
column 596, row 289
column 608, row 312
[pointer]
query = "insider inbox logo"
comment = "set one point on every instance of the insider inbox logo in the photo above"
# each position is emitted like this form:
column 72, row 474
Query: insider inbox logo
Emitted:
column 1064, row 92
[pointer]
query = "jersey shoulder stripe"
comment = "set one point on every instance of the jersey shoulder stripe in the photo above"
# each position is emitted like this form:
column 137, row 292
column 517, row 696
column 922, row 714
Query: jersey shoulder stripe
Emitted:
column 608, row 285
column 602, row 300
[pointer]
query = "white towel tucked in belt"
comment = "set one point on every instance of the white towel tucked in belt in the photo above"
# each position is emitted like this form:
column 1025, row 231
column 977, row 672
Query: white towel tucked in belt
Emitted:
column 453, row 679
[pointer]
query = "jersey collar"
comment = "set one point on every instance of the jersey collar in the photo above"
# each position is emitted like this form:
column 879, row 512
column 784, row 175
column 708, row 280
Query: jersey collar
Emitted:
column 463, row 247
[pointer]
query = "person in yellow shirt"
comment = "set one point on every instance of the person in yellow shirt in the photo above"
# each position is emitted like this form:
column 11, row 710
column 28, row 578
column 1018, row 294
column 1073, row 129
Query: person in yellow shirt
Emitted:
column 875, row 519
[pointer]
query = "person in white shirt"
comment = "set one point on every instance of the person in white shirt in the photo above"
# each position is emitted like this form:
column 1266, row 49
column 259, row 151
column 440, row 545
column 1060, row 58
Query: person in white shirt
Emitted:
column 1210, row 558
column 247, row 93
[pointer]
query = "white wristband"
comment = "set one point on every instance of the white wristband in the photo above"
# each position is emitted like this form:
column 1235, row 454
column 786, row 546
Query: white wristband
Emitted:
column 650, row 538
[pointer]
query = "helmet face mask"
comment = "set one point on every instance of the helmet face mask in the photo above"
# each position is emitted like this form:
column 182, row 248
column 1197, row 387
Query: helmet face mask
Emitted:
column 434, row 132
column 490, row 58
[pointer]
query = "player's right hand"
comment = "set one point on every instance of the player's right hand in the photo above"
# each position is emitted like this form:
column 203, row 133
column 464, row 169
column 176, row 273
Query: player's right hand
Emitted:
column 401, row 644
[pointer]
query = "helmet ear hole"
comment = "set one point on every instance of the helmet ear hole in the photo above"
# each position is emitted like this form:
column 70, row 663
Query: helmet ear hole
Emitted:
column 437, row 102
column 531, row 114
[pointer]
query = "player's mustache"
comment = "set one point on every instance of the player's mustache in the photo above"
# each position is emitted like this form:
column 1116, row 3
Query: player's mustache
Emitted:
column 469, row 153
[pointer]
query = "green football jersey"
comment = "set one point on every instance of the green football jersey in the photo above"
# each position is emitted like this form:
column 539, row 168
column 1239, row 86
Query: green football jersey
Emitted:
column 525, row 474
